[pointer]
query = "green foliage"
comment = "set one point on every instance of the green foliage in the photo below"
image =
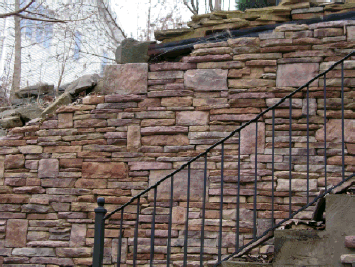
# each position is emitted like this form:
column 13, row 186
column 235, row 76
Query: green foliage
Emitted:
column 245, row 4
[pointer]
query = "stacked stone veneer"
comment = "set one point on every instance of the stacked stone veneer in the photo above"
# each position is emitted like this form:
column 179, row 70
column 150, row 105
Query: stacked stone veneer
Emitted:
column 51, row 173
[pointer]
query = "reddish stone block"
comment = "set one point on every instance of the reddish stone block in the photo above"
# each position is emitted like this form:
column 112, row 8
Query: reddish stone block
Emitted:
column 14, row 161
column 104, row 170
column 296, row 74
column 65, row 120
column 16, row 233
column 48, row 168
column 350, row 241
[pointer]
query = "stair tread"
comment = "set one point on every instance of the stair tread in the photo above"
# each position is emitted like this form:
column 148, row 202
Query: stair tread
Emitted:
column 244, row 264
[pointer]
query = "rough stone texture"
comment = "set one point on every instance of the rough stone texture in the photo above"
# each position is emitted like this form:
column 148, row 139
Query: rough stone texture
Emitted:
column 133, row 138
column 206, row 80
column 48, row 168
column 190, row 118
column 248, row 138
column 296, row 74
column 125, row 79
column 16, row 233
column 104, row 170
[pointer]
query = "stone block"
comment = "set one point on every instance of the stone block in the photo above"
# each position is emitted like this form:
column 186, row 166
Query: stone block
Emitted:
column 34, row 252
column 48, row 168
column 65, row 120
column 140, row 166
column 133, row 138
column 14, row 161
column 125, row 79
column 191, row 118
column 78, row 235
column 165, row 140
column 180, row 185
column 16, row 233
column 176, row 102
column 334, row 134
column 30, row 149
column 170, row 74
column 104, row 170
column 296, row 74
column 206, row 79
column 297, row 185
column 248, row 139
column 350, row 33
column 73, row 252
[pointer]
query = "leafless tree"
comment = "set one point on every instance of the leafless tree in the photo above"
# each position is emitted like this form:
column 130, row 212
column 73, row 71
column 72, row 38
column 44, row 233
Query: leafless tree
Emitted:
column 193, row 5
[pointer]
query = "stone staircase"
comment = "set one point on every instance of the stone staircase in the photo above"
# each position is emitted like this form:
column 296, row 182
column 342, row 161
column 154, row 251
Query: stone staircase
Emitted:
column 333, row 247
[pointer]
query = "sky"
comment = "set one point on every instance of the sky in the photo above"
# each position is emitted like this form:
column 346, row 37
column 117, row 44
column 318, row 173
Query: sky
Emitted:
column 132, row 14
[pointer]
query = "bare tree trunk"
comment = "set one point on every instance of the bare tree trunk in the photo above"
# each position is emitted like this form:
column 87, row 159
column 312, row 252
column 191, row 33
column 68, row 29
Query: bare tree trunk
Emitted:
column 16, row 78
column 148, row 22
column 217, row 5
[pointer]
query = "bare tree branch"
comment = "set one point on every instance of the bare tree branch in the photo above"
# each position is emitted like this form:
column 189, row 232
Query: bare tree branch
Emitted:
column 16, row 12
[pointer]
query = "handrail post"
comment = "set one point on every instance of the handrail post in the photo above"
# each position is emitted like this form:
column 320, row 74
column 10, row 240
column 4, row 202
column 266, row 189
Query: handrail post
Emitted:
column 99, row 237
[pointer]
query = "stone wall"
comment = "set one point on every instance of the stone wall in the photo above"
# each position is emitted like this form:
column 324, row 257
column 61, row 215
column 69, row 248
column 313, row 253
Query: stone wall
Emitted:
column 153, row 120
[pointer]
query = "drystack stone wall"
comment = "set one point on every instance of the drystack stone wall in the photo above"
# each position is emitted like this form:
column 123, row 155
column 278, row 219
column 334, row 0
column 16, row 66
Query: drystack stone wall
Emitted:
column 153, row 120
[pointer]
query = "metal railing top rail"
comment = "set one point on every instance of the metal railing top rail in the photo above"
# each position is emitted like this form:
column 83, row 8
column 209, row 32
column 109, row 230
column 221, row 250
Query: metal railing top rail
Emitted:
column 229, row 136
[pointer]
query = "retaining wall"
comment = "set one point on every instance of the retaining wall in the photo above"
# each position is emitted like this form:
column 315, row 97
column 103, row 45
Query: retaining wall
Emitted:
column 156, row 117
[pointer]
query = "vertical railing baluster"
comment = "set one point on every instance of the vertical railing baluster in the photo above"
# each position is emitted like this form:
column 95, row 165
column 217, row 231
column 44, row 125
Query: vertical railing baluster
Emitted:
column 99, row 237
column 290, row 158
column 170, row 220
column 221, row 207
column 238, row 199
column 325, row 131
column 307, row 99
column 203, row 212
column 273, row 168
column 152, row 234
column 187, row 213
column 119, row 249
column 256, row 178
column 342, row 122
column 135, row 242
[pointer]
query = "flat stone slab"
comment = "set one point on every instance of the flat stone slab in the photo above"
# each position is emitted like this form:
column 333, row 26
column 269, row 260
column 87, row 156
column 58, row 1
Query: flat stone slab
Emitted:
column 296, row 74
column 125, row 79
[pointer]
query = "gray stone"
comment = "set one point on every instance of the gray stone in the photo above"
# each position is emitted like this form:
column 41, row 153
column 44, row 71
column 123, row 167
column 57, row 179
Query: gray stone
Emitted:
column 48, row 168
column 83, row 83
column 62, row 100
column 206, row 79
column 35, row 90
column 247, row 139
column 132, row 51
column 11, row 122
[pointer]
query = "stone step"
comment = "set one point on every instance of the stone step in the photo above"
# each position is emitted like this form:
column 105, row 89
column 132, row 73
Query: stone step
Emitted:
column 245, row 264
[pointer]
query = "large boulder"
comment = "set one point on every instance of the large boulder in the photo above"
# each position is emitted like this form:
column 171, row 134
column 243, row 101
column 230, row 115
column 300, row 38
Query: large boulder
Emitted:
column 82, row 84
column 35, row 90
column 132, row 51
column 11, row 122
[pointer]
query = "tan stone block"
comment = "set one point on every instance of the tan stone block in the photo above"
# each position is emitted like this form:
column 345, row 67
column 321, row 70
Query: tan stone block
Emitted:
column 176, row 102
column 30, row 149
column 48, row 168
column 16, row 233
column 65, row 120
column 133, row 138
column 91, row 183
column 334, row 134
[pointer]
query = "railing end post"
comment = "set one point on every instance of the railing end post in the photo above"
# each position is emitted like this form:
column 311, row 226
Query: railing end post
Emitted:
column 99, row 237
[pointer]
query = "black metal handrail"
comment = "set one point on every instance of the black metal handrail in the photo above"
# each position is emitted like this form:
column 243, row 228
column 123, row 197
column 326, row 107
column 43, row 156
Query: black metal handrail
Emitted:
column 100, row 212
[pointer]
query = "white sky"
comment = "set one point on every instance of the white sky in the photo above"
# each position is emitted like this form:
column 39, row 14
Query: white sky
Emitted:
column 132, row 14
